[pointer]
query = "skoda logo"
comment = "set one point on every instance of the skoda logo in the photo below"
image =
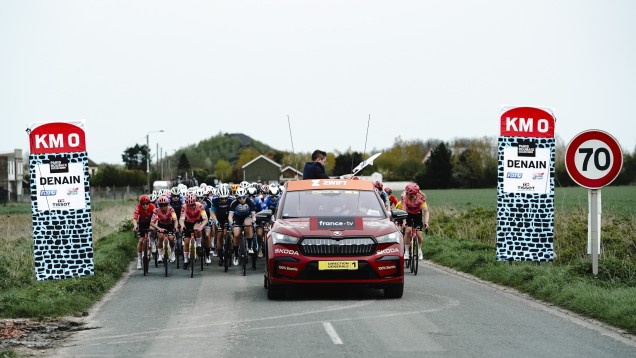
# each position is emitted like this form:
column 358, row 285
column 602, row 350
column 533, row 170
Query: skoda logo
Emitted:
column 337, row 233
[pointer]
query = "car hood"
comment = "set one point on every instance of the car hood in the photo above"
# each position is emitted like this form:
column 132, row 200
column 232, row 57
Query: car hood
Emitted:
column 316, row 226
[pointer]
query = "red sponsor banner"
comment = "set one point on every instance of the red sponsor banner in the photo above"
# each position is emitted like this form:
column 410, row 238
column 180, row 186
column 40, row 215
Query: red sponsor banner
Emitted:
column 57, row 137
column 527, row 122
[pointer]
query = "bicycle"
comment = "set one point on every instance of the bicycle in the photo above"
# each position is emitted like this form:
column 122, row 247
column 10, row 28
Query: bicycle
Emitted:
column 242, row 250
column 178, row 247
column 415, row 251
column 192, row 254
column 227, row 247
column 165, row 246
column 145, row 252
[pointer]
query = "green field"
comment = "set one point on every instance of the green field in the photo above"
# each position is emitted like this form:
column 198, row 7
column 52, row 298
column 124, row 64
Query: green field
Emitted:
column 616, row 199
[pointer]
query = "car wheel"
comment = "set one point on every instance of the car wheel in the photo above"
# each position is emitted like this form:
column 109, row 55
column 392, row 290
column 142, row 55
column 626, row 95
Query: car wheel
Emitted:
column 275, row 292
column 394, row 291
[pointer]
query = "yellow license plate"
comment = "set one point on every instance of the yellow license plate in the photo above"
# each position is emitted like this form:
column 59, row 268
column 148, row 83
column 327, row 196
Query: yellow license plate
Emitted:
column 337, row 265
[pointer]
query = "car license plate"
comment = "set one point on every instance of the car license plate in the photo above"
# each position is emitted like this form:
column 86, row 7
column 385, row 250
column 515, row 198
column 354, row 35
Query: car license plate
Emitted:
column 337, row 265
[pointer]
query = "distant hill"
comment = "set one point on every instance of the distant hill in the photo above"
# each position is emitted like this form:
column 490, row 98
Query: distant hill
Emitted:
column 226, row 146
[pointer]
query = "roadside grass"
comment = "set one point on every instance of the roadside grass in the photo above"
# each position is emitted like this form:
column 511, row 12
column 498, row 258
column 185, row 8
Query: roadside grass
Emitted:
column 22, row 296
column 464, row 239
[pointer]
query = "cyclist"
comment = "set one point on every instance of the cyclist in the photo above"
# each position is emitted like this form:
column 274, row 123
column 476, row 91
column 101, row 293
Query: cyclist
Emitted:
column 176, row 201
column 164, row 221
column 219, row 215
column 270, row 202
column 390, row 197
column 141, row 222
column 203, row 198
column 193, row 219
column 414, row 203
column 242, row 211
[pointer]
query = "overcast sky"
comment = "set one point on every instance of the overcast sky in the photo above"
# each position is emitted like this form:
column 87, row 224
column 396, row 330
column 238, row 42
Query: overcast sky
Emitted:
column 419, row 69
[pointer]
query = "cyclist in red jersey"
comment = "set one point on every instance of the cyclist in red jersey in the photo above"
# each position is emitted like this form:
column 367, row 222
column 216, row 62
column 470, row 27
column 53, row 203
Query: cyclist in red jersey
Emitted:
column 141, row 222
column 164, row 220
column 193, row 219
column 391, row 198
column 414, row 203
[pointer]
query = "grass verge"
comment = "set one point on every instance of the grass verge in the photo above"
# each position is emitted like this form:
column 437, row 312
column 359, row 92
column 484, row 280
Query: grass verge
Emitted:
column 465, row 241
column 21, row 296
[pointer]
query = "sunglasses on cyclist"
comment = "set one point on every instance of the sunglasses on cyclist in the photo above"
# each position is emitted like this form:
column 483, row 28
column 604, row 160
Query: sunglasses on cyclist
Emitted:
column 163, row 205
column 242, row 197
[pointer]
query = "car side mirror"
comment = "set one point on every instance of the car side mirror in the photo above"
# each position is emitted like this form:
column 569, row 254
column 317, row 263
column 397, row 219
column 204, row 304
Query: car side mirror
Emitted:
column 397, row 214
column 264, row 214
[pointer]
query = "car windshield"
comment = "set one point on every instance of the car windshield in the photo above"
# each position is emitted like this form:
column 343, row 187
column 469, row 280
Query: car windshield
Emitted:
column 332, row 203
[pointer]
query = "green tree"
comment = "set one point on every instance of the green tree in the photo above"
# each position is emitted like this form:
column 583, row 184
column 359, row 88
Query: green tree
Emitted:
column 468, row 172
column 136, row 157
column 222, row 169
column 439, row 169
column 184, row 163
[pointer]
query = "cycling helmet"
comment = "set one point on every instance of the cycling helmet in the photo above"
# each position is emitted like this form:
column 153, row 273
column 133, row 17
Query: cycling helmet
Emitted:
column 176, row 191
column 273, row 189
column 412, row 188
column 244, row 184
column 241, row 192
column 153, row 196
column 163, row 192
column 224, row 192
column 203, row 186
column 252, row 190
column 378, row 185
column 214, row 191
column 199, row 193
column 144, row 199
column 163, row 200
column 388, row 190
column 190, row 199
column 264, row 188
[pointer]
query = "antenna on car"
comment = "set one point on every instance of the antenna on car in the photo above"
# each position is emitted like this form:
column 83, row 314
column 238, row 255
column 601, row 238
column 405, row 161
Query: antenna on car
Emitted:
column 292, row 143
column 365, row 143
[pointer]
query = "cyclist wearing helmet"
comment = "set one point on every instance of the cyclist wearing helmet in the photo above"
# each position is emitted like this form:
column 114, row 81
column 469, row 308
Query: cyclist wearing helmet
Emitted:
column 219, row 217
column 270, row 202
column 176, row 201
column 391, row 198
column 414, row 203
column 193, row 220
column 141, row 222
column 203, row 198
column 164, row 220
column 242, row 212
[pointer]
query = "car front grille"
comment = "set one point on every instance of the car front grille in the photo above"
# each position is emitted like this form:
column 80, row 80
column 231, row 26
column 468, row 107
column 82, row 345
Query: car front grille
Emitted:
column 325, row 246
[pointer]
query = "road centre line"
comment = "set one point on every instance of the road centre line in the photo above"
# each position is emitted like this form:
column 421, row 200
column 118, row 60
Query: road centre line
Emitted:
column 332, row 333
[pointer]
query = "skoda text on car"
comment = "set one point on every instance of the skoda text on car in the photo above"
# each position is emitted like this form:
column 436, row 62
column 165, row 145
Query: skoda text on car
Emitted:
column 331, row 231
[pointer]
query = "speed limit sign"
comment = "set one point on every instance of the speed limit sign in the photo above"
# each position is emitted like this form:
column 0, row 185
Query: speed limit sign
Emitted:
column 593, row 159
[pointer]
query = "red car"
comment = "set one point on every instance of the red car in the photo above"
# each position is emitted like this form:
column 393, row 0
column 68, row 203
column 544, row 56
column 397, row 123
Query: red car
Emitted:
column 331, row 231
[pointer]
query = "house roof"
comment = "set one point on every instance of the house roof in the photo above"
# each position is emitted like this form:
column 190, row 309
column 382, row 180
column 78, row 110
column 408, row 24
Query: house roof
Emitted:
column 91, row 163
column 289, row 167
column 264, row 157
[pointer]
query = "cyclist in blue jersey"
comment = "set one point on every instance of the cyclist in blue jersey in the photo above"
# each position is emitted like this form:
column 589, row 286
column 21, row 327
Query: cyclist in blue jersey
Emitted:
column 262, row 227
column 242, row 212
column 219, row 216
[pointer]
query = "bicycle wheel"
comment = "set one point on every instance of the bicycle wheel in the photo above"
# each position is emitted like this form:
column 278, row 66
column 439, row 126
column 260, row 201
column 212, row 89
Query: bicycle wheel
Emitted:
column 178, row 249
column 193, row 244
column 145, row 258
column 201, row 255
column 243, row 255
column 416, row 255
column 154, row 253
column 227, row 251
column 166, row 254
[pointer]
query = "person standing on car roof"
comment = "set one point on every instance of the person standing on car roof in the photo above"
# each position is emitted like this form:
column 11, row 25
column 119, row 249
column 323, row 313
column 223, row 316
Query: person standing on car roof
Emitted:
column 316, row 168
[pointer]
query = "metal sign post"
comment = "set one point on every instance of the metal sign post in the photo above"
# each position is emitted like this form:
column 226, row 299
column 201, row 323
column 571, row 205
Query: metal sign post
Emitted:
column 593, row 159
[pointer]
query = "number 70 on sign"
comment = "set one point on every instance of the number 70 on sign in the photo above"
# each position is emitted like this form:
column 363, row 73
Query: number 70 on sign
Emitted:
column 593, row 159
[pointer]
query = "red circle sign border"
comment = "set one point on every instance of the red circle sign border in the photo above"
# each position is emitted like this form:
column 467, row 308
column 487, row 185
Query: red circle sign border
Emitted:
column 616, row 153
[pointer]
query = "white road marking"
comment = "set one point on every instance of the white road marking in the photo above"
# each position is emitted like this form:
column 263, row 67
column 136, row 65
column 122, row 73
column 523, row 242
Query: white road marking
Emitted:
column 332, row 333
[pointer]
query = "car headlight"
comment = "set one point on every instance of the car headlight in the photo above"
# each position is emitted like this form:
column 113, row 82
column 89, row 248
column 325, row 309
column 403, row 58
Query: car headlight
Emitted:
column 392, row 238
column 278, row 238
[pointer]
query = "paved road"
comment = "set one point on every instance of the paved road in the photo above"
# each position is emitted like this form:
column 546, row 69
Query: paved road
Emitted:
column 217, row 314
